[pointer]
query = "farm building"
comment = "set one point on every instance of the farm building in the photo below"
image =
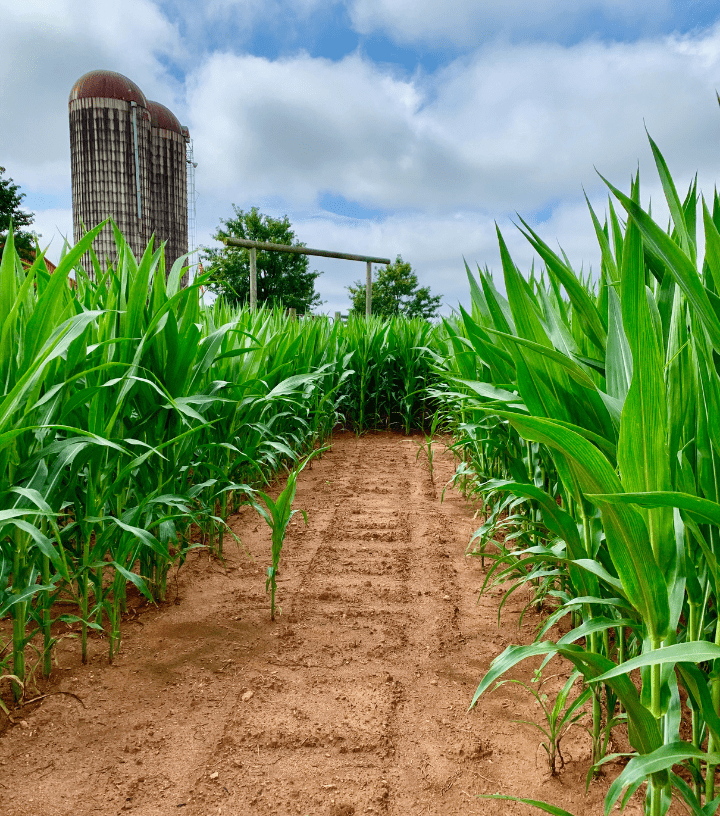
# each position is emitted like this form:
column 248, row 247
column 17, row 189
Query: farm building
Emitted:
column 129, row 160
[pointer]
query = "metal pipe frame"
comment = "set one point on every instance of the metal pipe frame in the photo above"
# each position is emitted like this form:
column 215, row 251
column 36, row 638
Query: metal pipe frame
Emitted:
column 253, row 246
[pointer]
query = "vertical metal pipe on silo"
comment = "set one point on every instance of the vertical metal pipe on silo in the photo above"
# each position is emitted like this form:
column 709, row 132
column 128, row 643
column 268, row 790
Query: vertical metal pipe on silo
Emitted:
column 133, row 106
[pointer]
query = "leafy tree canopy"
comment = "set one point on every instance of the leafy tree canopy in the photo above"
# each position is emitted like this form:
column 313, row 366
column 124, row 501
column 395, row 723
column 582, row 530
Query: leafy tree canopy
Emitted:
column 395, row 291
column 283, row 278
column 10, row 210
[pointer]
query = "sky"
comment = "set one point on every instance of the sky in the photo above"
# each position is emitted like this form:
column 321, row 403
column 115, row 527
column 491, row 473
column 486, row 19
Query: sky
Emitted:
column 383, row 127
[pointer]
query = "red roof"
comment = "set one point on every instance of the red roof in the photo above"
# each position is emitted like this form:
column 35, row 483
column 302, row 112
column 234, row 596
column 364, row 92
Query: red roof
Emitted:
column 108, row 85
column 162, row 117
column 51, row 267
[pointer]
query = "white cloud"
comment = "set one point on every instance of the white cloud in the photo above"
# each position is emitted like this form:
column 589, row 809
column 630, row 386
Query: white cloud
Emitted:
column 47, row 46
column 52, row 227
column 471, row 22
column 531, row 121
column 509, row 128
column 294, row 127
column 436, row 245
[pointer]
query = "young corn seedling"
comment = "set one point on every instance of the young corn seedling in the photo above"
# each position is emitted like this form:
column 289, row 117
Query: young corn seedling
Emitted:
column 560, row 715
column 426, row 447
column 277, row 513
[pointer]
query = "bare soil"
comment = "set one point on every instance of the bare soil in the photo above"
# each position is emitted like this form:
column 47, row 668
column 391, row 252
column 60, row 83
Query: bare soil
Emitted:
column 355, row 701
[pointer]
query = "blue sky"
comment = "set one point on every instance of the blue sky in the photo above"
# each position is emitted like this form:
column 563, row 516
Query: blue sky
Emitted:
column 382, row 126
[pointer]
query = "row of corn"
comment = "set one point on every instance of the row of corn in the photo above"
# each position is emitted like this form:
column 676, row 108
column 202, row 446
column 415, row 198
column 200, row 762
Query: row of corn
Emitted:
column 585, row 412
column 134, row 418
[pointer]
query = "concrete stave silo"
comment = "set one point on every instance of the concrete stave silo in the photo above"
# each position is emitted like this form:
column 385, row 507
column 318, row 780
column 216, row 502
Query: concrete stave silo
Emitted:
column 129, row 163
column 110, row 136
column 168, row 182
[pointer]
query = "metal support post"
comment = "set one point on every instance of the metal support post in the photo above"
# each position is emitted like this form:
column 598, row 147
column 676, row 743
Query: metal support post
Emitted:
column 253, row 278
column 368, row 290
column 253, row 246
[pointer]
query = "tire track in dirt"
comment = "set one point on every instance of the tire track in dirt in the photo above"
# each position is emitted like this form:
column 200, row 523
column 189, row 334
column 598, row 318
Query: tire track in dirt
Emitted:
column 353, row 702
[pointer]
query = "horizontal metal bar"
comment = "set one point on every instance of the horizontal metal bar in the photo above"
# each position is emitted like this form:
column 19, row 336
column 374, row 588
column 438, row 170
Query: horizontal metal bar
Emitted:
column 325, row 253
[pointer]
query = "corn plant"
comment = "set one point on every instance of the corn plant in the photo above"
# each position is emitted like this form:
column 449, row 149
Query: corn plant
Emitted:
column 426, row 446
column 605, row 392
column 560, row 715
column 130, row 414
column 277, row 513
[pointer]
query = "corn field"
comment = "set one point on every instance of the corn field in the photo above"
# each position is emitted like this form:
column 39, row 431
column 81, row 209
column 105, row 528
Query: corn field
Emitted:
column 134, row 419
column 582, row 411
column 584, row 414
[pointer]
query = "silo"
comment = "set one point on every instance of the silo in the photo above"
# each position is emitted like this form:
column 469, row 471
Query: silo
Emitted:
column 110, row 151
column 168, row 182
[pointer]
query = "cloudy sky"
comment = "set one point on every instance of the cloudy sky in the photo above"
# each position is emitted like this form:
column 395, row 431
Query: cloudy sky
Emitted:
column 382, row 127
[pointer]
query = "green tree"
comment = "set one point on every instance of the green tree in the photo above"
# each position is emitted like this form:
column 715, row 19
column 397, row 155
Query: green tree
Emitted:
column 395, row 291
column 10, row 210
column 283, row 278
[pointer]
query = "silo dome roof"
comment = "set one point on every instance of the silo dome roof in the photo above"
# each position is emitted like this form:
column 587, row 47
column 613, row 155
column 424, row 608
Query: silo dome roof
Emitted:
column 107, row 84
column 162, row 117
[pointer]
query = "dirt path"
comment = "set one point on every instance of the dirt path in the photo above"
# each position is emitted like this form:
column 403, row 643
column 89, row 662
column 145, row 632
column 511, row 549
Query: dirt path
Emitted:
column 353, row 702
